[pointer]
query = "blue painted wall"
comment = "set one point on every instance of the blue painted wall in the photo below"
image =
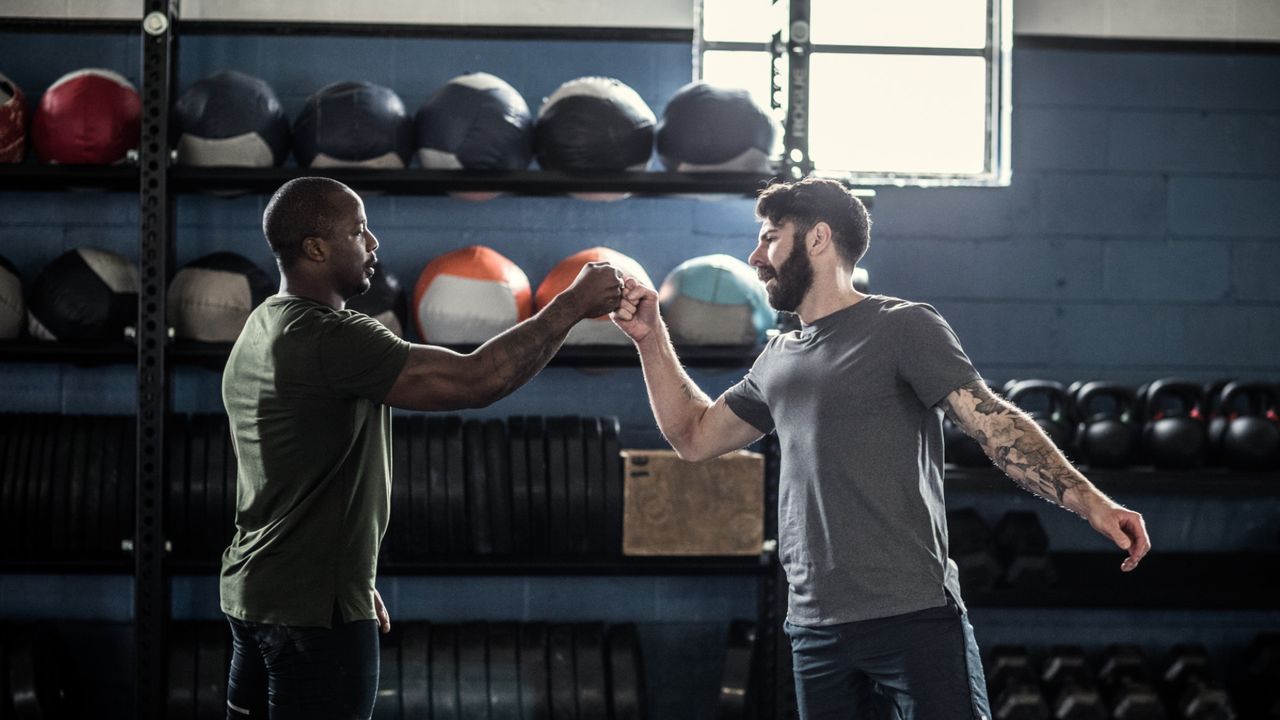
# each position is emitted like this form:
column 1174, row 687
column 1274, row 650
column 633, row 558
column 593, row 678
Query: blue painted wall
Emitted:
column 1140, row 238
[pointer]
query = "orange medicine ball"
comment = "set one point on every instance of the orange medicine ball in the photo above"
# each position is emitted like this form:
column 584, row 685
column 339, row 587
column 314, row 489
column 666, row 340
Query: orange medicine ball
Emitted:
column 600, row 330
column 467, row 296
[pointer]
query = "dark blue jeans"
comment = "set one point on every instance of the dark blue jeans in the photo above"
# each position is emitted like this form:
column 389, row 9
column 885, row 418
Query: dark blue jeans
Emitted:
column 918, row 666
column 284, row 672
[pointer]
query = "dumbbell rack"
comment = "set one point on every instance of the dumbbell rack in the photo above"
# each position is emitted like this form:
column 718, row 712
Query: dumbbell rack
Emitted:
column 157, row 183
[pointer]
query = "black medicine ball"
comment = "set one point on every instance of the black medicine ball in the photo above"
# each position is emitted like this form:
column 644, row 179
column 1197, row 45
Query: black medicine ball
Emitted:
column 594, row 124
column 353, row 124
column 12, row 309
column 231, row 119
column 476, row 121
column 385, row 301
column 84, row 294
column 709, row 128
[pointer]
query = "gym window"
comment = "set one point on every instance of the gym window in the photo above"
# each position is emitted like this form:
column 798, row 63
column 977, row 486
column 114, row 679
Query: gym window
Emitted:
column 905, row 92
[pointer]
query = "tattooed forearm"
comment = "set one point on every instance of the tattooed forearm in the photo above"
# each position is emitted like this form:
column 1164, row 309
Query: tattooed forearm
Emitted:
column 1013, row 441
column 512, row 358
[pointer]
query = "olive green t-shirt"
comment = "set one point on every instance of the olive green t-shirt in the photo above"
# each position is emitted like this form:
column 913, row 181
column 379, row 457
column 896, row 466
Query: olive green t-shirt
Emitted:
column 304, row 389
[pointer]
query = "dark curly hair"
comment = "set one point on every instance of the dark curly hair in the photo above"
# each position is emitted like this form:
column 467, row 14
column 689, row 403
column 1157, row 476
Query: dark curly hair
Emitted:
column 807, row 202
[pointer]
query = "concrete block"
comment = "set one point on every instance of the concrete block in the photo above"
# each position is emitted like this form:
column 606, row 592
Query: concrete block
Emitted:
column 1095, row 204
column 1224, row 207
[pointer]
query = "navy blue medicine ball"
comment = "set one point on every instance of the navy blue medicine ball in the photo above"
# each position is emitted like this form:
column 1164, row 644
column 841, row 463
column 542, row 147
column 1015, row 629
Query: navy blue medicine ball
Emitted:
column 230, row 119
column 476, row 121
column 84, row 294
column 710, row 128
column 594, row 124
column 12, row 308
column 353, row 124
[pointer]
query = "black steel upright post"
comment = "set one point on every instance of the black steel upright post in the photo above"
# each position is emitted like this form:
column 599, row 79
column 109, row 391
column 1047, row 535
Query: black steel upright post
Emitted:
column 796, row 163
column 151, row 600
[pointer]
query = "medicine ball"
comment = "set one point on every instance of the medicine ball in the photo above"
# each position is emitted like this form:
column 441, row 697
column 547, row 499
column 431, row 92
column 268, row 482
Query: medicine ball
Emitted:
column 710, row 128
column 467, row 296
column 716, row 300
column 594, row 124
column 13, row 121
column 84, row 294
column 384, row 301
column 232, row 120
column 211, row 297
column 475, row 122
column 12, row 310
column 592, row 331
column 353, row 124
column 90, row 116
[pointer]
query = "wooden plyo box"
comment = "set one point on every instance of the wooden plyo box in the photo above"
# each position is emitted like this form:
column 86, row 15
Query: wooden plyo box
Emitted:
column 674, row 507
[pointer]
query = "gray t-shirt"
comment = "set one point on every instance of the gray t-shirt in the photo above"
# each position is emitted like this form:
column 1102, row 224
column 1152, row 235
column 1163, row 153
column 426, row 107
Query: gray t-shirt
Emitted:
column 861, row 518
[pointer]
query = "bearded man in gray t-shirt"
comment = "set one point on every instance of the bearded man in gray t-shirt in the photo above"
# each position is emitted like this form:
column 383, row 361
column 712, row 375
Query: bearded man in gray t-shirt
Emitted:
column 856, row 397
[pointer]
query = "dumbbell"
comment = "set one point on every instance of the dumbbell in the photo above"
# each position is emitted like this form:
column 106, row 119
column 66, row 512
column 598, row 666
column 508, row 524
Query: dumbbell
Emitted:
column 1193, row 692
column 1014, row 686
column 1130, row 691
column 1173, row 432
column 1105, row 434
column 972, row 546
column 1046, row 402
column 1263, row 671
column 1071, row 685
column 1023, row 548
column 1244, row 430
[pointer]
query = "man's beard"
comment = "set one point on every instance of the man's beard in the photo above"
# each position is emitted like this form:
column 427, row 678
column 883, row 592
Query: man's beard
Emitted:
column 793, row 279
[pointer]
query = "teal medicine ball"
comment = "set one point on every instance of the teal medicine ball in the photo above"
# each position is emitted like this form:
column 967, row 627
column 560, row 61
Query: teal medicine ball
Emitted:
column 716, row 300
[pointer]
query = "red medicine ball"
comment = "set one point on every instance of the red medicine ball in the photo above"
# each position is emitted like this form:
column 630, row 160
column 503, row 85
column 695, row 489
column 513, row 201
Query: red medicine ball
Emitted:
column 13, row 121
column 90, row 117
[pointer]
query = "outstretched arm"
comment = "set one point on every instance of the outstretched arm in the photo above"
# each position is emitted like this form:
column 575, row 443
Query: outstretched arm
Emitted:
column 1017, row 445
column 696, row 427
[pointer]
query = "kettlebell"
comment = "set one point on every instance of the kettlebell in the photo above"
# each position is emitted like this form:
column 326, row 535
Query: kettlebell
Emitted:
column 1053, row 420
column 1245, row 427
column 1105, row 433
column 1214, row 422
column 1173, row 433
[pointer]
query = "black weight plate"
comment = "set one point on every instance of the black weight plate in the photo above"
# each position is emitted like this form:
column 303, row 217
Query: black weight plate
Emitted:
column 21, row 674
column 175, row 524
column 415, row 670
column 112, row 446
column 444, row 672
column 575, row 467
column 626, row 684
column 58, row 487
column 51, row 448
column 437, row 488
column 564, row 686
column 536, row 448
column 182, row 672
column 419, row 502
column 214, row 478
column 557, row 488
column 473, row 672
column 498, row 471
column 387, row 706
column 12, row 444
column 92, row 538
column 588, row 652
column 477, row 488
column 128, row 477
column 593, row 452
column 26, row 490
column 504, row 672
column 518, row 463
column 735, row 676
column 395, row 546
column 456, row 479
column 211, row 672
column 197, row 433
column 535, row 687
column 75, row 482
column 613, row 485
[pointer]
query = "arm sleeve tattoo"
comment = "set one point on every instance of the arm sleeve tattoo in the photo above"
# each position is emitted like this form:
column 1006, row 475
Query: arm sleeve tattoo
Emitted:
column 1013, row 441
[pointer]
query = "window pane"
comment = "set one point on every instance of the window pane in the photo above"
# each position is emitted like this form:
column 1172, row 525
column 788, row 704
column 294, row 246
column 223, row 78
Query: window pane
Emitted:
column 747, row 70
column 741, row 20
column 897, row 113
column 951, row 23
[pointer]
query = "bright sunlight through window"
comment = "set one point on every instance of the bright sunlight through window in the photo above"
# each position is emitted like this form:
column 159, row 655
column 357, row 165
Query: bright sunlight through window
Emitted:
column 900, row 91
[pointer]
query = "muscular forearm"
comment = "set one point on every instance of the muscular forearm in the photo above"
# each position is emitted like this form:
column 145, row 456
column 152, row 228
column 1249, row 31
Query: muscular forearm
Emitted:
column 676, row 401
column 1017, row 445
column 512, row 358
